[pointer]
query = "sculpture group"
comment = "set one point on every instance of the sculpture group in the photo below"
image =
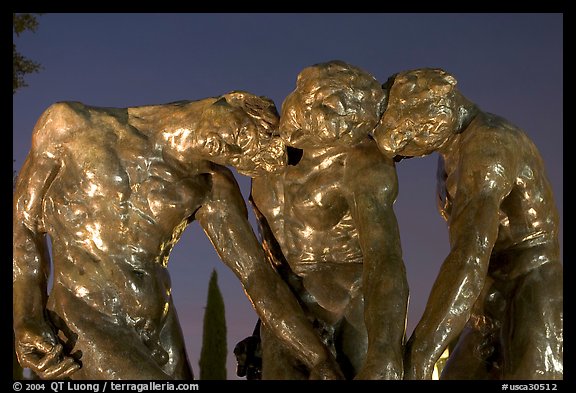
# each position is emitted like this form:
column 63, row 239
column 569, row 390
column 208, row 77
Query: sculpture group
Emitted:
column 114, row 188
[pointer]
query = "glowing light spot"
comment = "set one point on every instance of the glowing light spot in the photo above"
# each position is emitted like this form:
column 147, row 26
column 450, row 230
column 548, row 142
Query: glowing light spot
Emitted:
column 81, row 291
column 95, row 231
column 552, row 362
column 440, row 364
column 307, row 232
column 177, row 138
column 92, row 190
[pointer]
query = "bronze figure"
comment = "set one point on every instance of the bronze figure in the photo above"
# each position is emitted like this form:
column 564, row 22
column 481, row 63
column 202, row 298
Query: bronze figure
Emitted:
column 114, row 189
column 328, row 225
column 500, row 288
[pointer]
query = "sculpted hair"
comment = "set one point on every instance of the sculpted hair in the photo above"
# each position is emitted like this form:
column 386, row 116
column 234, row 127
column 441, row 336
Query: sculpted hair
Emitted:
column 422, row 106
column 332, row 101
column 260, row 140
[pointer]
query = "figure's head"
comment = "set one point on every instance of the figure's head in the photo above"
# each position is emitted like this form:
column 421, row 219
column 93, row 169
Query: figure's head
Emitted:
column 334, row 103
column 240, row 129
column 424, row 109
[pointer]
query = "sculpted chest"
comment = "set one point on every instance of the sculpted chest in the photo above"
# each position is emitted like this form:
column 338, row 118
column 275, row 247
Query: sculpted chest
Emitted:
column 314, row 195
column 128, row 176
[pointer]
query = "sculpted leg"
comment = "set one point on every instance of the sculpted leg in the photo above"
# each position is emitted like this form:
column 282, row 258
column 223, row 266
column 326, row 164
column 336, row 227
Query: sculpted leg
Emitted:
column 105, row 348
column 533, row 335
column 173, row 341
column 472, row 357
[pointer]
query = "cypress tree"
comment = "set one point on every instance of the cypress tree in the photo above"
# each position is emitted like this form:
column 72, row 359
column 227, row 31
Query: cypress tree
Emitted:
column 214, row 348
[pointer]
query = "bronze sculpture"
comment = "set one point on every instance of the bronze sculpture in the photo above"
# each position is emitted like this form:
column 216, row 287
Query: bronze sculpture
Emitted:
column 114, row 189
column 328, row 225
column 502, row 280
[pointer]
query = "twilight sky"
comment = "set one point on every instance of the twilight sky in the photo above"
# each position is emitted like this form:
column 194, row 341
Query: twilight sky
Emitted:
column 508, row 64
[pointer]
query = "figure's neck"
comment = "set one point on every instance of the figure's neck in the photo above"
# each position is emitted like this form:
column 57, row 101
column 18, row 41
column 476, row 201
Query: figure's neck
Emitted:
column 467, row 112
column 311, row 153
column 329, row 149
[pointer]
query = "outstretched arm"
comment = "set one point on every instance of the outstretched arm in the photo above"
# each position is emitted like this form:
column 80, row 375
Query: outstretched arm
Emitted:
column 225, row 221
column 37, row 345
column 373, row 184
column 482, row 184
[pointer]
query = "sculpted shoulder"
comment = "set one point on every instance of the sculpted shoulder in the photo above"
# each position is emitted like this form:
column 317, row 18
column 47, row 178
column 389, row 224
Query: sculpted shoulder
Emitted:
column 65, row 121
column 491, row 141
column 492, row 134
column 368, row 169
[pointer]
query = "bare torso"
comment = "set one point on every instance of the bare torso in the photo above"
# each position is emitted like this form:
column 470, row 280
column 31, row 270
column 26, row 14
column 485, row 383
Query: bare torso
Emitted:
column 527, row 235
column 114, row 189
column 310, row 217
column 115, row 208
column 331, row 215
column 514, row 331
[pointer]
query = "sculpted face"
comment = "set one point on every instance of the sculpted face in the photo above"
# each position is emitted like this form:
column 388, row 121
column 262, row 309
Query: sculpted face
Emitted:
column 333, row 104
column 422, row 113
column 239, row 129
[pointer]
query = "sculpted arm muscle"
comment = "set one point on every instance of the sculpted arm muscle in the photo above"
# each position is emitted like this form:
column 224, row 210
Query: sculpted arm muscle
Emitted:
column 37, row 346
column 224, row 219
column 484, row 178
column 374, row 188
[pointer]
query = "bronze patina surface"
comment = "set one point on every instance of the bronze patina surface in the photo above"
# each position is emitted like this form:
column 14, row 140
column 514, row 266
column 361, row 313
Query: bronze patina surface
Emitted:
column 113, row 189
column 500, row 288
column 328, row 224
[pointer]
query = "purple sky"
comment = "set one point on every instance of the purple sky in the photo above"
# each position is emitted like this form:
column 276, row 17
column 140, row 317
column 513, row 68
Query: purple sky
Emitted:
column 508, row 64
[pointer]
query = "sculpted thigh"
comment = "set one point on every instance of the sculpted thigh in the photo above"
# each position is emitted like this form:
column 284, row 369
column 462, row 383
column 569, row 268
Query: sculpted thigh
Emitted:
column 106, row 349
column 472, row 357
column 533, row 334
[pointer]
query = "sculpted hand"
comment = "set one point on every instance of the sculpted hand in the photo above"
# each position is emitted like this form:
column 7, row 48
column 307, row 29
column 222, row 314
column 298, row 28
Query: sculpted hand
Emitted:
column 37, row 348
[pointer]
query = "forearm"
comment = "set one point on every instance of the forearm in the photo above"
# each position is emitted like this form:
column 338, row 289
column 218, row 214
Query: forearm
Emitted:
column 455, row 291
column 31, row 260
column 30, row 275
column 386, row 302
column 385, row 307
column 271, row 297
column 283, row 316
